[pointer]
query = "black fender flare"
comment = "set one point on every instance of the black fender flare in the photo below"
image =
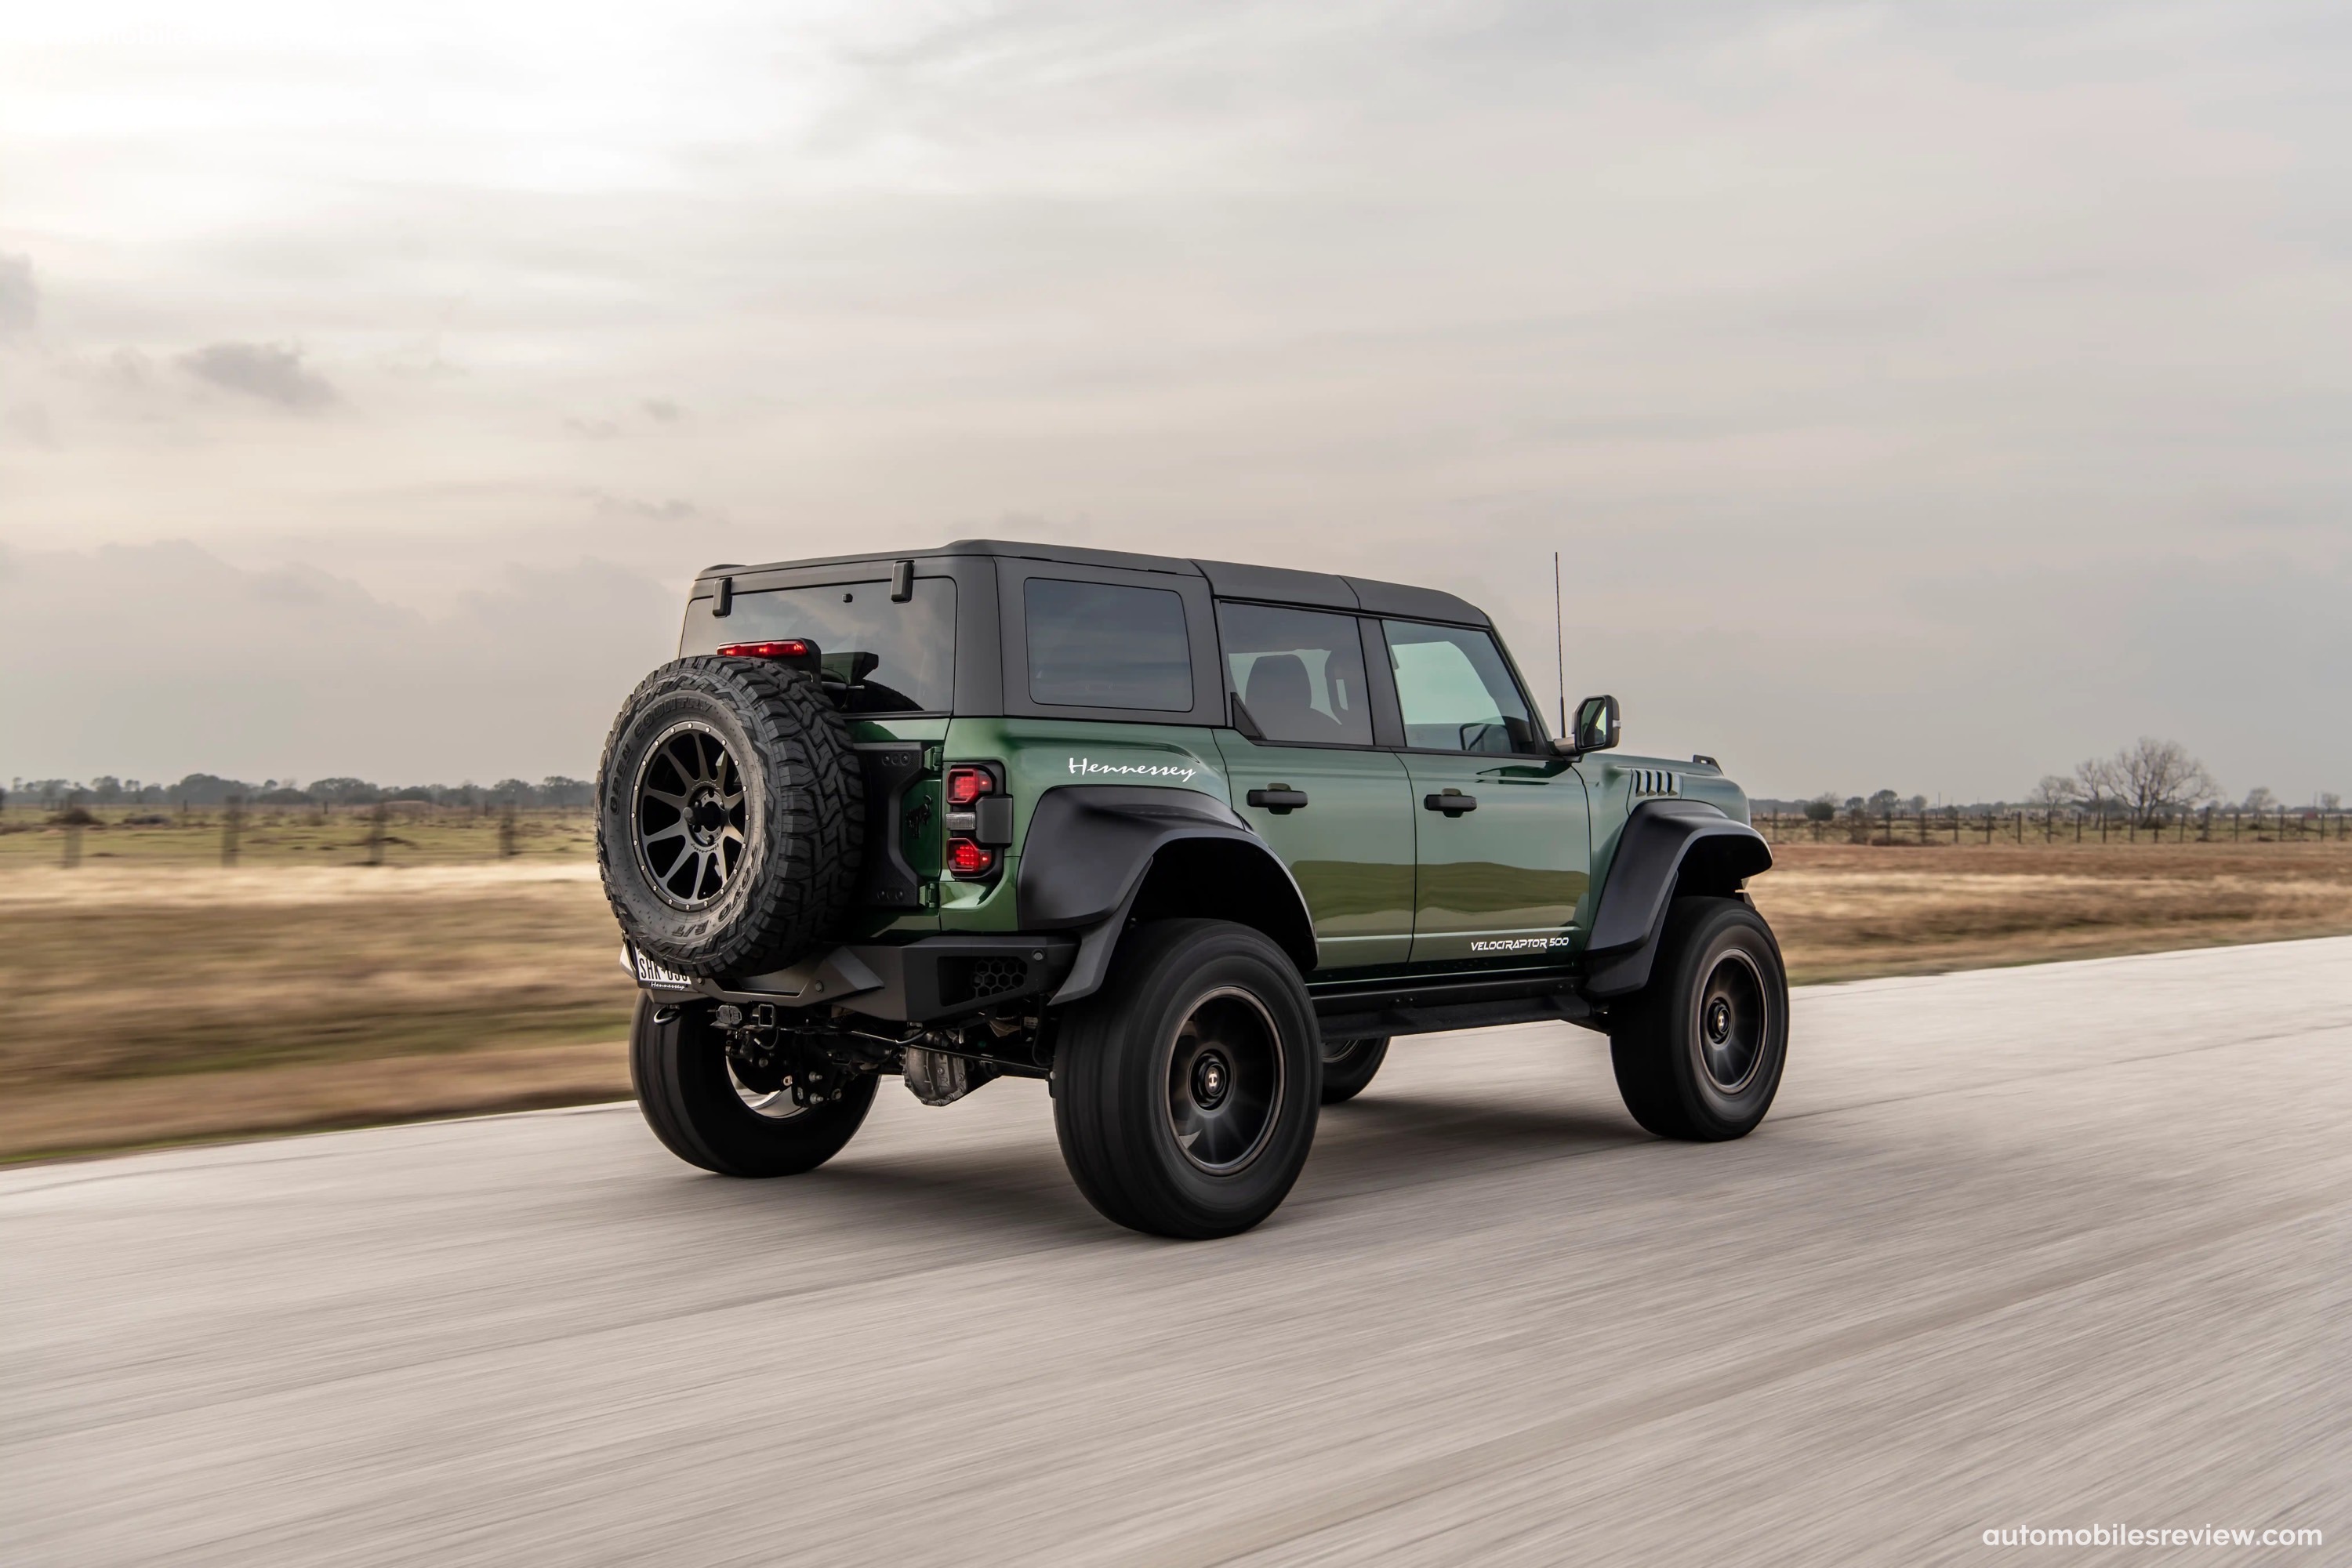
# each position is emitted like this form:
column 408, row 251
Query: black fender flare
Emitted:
column 1663, row 840
column 1090, row 849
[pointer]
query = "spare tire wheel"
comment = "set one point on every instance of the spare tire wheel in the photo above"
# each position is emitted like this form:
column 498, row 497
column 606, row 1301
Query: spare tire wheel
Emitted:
column 731, row 816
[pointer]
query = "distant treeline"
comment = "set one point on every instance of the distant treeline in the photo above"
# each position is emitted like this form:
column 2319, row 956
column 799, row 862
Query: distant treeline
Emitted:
column 208, row 789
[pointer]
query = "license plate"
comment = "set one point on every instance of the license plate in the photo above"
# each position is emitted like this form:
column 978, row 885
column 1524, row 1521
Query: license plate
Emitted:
column 652, row 973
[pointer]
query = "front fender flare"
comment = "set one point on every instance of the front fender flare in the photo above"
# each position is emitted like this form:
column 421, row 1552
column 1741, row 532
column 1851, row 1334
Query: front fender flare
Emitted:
column 1663, row 839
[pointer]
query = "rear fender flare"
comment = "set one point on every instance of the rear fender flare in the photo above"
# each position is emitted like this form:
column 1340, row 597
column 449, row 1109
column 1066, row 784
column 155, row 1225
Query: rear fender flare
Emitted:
column 1668, row 846
column 1097, row 855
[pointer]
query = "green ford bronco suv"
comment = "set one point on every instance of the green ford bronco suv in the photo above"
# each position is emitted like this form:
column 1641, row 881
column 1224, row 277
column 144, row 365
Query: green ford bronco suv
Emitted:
column 1191, row 841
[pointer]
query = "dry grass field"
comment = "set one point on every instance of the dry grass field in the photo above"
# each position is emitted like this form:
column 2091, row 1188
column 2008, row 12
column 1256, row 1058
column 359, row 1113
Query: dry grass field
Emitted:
column 154, row 995
column 1848, row 912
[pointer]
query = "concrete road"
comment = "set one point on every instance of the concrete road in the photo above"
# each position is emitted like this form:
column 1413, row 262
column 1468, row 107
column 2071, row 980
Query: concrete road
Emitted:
column 2035, row 1247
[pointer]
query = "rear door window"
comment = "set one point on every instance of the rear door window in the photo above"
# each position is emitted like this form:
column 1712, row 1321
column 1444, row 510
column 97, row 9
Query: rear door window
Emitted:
column 1456, row 693
column 880, row 656
column 1100, row 644
column 1298, row 674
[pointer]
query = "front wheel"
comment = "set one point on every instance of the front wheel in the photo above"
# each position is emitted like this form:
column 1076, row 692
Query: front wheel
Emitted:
column 707, row 1115
column 1348, row 1067
column 1698, row 1052
column 1186, row 1090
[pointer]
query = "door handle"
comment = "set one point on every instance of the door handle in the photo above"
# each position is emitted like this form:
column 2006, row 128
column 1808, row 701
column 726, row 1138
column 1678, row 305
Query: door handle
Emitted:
column 1452, row 802
column 1281, row 800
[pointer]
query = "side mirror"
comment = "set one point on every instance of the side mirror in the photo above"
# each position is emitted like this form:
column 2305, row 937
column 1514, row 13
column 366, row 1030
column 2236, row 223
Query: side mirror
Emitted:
column 1596, row 728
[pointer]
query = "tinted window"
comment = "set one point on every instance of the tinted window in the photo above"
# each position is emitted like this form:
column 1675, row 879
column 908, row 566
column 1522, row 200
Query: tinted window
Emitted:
column 880, row 656
column 1456, row 692
column 1097, row 644
column 1300, row 673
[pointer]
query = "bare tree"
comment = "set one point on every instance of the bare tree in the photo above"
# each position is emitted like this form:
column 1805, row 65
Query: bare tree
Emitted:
column 2055, row 792
column 2147, row 779
column 2259, row 800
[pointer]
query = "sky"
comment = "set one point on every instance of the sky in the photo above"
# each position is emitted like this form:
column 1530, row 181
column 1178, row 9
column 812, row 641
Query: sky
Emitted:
column 1926, row 396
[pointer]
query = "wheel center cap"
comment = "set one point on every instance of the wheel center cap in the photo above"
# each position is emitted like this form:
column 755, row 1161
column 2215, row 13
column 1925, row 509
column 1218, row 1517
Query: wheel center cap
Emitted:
column 1211, row 1079
column 1718, row 1020
column 705, row 818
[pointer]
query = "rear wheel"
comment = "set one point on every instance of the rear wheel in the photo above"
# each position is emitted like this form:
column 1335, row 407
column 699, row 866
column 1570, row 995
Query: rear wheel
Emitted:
column 1698, row 1052
column 1349, row 1065
column 1186, row 1090
column 707, row 1113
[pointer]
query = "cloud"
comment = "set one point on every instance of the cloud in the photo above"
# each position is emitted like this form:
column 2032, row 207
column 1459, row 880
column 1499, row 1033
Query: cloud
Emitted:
column 1784, row 321
column 292, row 670
column 20, row 297
column 265, row 371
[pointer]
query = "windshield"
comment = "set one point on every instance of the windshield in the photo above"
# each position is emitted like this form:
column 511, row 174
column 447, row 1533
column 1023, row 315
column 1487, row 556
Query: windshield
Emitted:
column 880, row 656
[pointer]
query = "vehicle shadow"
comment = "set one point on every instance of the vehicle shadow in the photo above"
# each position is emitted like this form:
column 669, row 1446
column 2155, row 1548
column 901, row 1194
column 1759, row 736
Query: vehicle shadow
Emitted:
column 1427, row 1140
column 1020, row 1190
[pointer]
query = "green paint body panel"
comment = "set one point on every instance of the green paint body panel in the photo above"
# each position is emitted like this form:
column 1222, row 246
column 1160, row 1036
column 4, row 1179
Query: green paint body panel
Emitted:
column 1041, row 755
column 1612, row 781
column 1351, row 848
column 1510, row 879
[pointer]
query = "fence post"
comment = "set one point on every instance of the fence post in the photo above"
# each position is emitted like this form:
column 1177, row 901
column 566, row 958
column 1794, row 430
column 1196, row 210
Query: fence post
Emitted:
column 232, row 828
column 375, row 834
column 506, row 831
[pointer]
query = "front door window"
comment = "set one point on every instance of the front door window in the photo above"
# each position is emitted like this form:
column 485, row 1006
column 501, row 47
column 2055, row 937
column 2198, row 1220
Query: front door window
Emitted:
column 1456, row 693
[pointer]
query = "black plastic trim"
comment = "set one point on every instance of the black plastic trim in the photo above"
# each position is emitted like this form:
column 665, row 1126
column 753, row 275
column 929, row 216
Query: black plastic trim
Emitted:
column 1659, row 839
column 1088, row 847
column 914, row 983
column 891, row 767
column 1426, row 1004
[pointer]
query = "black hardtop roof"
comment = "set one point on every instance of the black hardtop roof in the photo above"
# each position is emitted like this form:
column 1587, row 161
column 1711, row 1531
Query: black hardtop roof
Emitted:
column 1227, row 579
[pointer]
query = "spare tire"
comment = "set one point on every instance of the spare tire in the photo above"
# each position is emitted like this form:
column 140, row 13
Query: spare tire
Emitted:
column 730, row 817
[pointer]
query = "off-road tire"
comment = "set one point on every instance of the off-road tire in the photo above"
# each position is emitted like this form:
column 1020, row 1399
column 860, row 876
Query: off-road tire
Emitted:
column 1350, row 1066
column 1115, row 1094
column 678, row 1067
column 1659, row 1042
column 803, row 833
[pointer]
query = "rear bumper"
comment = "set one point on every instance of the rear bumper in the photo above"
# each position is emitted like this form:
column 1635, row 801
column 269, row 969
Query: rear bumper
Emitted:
column 920, row 982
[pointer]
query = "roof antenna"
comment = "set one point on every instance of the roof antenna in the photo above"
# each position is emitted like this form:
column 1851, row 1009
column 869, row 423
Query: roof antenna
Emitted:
column 1559, row 643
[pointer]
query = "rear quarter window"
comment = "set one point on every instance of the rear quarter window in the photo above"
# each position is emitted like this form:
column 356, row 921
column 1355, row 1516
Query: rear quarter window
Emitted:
column 1100, row 644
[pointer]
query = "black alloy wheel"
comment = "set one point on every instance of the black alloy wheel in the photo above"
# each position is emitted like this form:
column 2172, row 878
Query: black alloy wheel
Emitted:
column 688, row 809
column 1732, row 1017
column 1224, row 1079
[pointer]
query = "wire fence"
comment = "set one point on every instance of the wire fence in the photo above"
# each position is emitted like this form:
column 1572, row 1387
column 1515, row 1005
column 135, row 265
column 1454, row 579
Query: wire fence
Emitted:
column 2063, row 824
column 235, row 833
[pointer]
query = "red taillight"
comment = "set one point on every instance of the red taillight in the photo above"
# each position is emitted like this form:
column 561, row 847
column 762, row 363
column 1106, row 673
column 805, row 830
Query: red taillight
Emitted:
column 966, row 859
column 966, row 785
column 786, row 648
